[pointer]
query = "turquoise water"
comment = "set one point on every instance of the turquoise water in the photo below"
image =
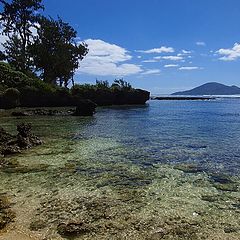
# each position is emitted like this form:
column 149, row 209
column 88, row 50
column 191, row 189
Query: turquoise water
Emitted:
column 167, row 170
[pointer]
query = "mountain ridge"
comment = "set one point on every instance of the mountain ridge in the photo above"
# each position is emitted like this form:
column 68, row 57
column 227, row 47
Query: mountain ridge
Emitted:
column 211, row 88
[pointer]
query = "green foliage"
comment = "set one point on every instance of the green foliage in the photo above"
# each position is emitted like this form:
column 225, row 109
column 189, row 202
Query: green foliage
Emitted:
column 78, row 89
column 102, row 85
column 11, row 98
column 10, row 78
column 121, row 85
column 12, row 93
column 2, row 56
column 18, row 18
column 62, row 92
column 54, row 51
column 13, row 51
column 118, row 85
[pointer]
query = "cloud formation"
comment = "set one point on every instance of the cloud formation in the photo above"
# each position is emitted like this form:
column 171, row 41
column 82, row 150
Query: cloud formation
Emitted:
column 162, row 49
column 152, row 71
column 201, row 44
column 186, row 52
column 171, row 65
column 189, row 68
column 171, row 58
column 230, row 54
column 150, row 61
column 105, row 59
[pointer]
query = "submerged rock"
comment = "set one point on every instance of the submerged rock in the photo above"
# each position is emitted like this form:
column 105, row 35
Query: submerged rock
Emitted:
column 220, row 178
column 229, row 187
column 189, row 168
column 73, row 229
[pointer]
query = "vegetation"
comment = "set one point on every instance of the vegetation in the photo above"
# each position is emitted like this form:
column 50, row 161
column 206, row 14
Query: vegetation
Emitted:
column 19, row 89
column 19, row 19
column 39, row 45
column 42, row 55
column 55, row 53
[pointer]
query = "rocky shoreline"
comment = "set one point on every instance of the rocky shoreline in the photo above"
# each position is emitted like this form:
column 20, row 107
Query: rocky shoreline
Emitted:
column 86, row 108
column 10, row 144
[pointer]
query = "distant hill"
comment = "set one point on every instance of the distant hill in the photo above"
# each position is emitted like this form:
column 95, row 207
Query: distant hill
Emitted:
column 211, row 88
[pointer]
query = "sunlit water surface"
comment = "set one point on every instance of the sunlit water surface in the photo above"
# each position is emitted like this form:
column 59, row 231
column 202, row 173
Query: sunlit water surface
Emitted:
column 167, row 170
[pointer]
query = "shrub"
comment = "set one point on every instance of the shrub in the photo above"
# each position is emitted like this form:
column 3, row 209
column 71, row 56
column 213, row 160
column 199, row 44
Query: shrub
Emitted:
column 9, row 78
column 11, row 98
column 82, row 89
column 102, row 85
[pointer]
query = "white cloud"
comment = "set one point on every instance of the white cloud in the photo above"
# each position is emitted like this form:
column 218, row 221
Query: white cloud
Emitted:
column 186, row 52
column 150, row 61
column 162, row 49
column 151, row 71
column 171, row 65
column 230, row 54
column 189, row 68
column 171, row 58
column 107, row 59
column 200, row 43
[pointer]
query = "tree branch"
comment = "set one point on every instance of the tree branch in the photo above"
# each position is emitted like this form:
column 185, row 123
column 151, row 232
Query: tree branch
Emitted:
column 3, row 2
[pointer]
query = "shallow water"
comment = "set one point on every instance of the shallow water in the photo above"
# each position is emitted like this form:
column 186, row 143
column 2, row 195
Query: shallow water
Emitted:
column 167, row 170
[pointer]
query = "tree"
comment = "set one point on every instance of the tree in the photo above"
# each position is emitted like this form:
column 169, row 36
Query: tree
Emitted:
column 18, row 19
column 102, row 84
column 121, row 84
column 54, row 51
column 2, row 56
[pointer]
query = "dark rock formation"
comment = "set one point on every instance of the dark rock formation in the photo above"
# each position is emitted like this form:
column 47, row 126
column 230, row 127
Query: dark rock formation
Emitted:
column 117, row 97
column 10, row 144
column 10, row 98
column 73, row 229
column 25, row 138
column 85, row 108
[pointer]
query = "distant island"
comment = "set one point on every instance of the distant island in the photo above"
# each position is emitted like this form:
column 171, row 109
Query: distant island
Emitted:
column 212, row 88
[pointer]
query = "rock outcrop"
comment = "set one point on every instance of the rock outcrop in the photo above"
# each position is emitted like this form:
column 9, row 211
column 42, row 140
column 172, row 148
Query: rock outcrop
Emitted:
column 85, row 108
column 25, row 139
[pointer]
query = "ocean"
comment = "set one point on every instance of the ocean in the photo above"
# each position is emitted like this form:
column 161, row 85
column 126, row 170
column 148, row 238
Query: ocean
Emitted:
column 165, row 170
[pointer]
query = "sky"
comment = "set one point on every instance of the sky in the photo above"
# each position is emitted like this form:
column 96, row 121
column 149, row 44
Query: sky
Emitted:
column 163, row 46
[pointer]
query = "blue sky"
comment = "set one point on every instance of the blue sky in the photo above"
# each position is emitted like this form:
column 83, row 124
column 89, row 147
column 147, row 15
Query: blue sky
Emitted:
column 160, row 45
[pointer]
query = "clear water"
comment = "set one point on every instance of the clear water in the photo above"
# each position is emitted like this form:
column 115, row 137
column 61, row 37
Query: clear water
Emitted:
column 167, row 170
